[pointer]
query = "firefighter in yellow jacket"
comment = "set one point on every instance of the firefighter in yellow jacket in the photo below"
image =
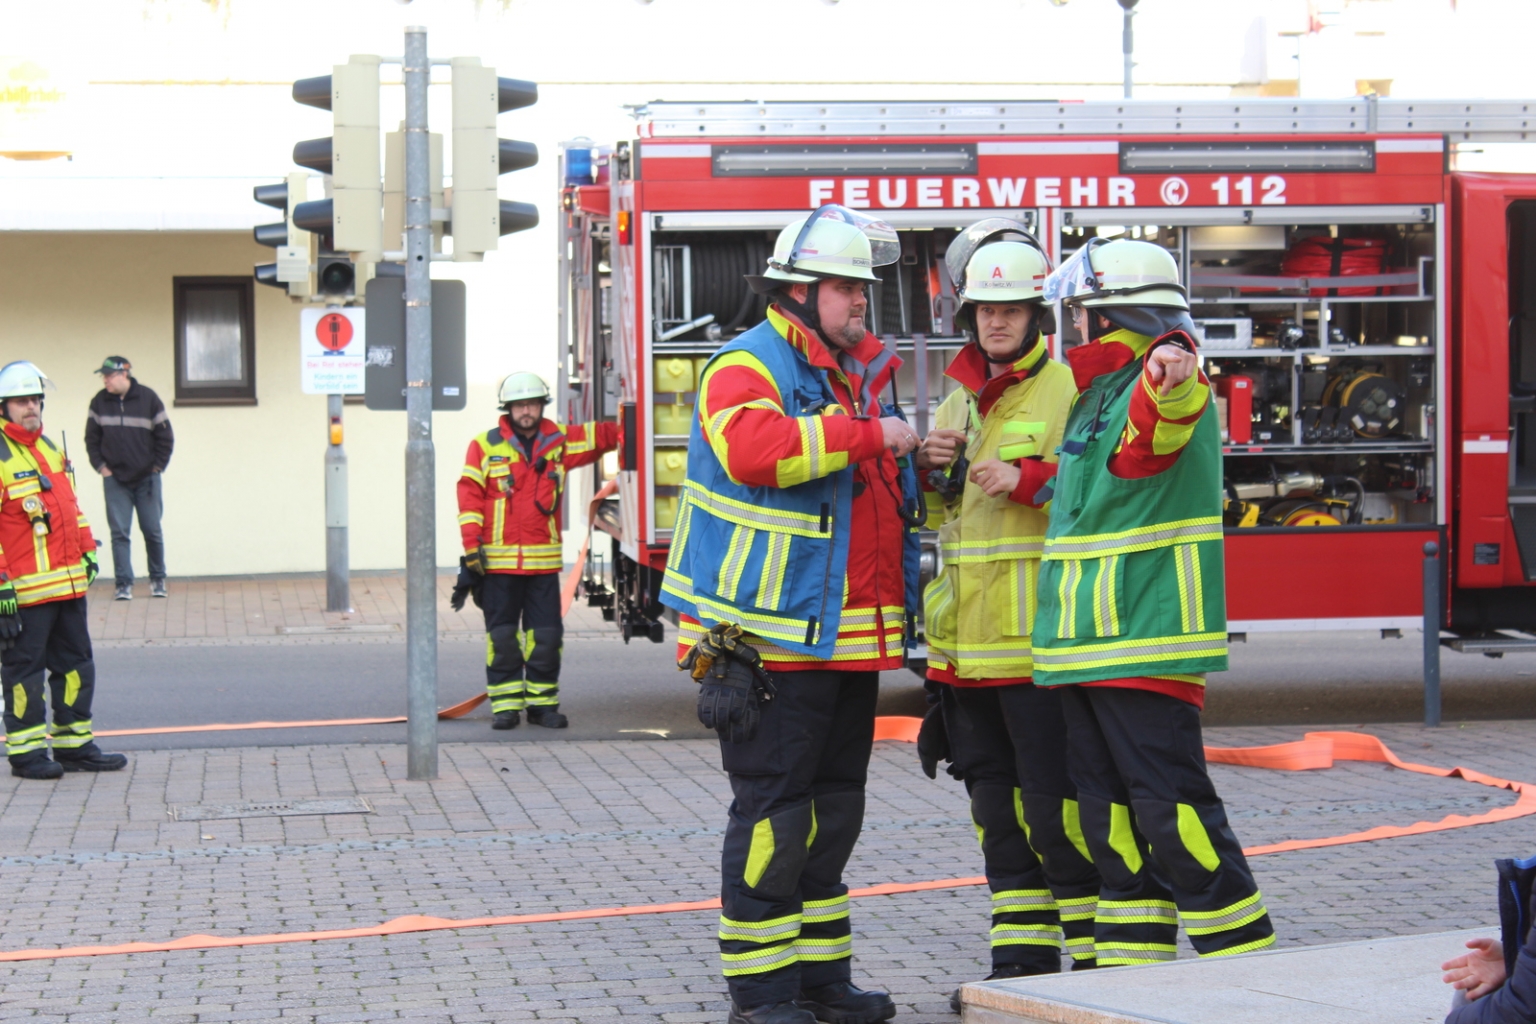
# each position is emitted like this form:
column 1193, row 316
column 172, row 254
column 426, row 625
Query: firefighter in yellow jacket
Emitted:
column 997, row 436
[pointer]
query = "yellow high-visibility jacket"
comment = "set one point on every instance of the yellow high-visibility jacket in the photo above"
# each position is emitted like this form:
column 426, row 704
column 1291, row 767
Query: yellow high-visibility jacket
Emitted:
column 981, row 607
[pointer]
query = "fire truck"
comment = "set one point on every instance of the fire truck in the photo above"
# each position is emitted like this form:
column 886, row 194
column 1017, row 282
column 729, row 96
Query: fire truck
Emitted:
column 1366, row 314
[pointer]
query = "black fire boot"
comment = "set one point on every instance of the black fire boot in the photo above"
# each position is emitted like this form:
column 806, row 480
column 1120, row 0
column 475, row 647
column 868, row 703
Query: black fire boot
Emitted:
column 770, row 1013
column 842, row 1003
column 506, row 720
column 37, row 768
column 89, row 758
column 999, row 971
column 549, row 718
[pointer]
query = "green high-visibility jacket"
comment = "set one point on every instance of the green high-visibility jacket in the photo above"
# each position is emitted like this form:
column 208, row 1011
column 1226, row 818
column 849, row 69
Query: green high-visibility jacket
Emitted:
column 1131, row 579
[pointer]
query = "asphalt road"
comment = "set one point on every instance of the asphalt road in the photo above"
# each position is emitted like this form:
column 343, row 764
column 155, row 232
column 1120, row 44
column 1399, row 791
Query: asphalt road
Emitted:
column 613, row 691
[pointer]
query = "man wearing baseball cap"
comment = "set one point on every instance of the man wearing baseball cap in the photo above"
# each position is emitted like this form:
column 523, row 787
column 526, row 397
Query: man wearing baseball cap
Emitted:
column 128, row 440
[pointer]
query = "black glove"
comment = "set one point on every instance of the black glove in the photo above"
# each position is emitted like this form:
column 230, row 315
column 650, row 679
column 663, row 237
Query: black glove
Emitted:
column 468, row 584
column 474, row 561
column 732, row 683
column 933, row 742
column 10, row 617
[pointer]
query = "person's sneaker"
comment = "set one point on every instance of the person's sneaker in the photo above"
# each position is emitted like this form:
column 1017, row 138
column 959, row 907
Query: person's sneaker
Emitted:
column 998, row 972
column 157, row 589
column 505, row 720
column 95, row 761
column 549, row 718
column 37, row 768
column 770, row 1013
column 842, row 1003
column 124, row 592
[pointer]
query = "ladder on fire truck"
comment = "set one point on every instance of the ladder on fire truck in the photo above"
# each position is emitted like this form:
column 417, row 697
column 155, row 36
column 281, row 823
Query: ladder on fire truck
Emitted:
column 1457, row 120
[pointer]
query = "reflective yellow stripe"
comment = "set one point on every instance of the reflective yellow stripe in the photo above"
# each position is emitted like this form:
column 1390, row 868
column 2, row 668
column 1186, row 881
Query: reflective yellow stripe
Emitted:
column 994, row 550
column 1191, row 588
column 1122, row 840
column 1027, row 577
column 1196, row 839
column 468, row 518
column 1026, row 935
column 736, row 552
column 1129, row 652
column 758, row 961
column 1143, row 538
column 800, row 524
column 824, row 949
column 1079, row 908
column 680, row 528
column 474, row 473
column 1066, row 595
column 1247, row 947
column 759, row 931
column 1106, row 609
column 1206, row 922
column 760, row 853
column 822, row 911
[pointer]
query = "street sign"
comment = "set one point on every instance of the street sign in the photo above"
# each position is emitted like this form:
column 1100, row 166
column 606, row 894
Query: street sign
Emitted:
column 386, row 344
column 332, row 351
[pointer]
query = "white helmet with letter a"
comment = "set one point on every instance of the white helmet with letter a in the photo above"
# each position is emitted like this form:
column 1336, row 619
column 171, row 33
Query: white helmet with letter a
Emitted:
column 522, row 387
column 832, row 242
column 1006, row 272
column 1122, row 272
column 23, row 379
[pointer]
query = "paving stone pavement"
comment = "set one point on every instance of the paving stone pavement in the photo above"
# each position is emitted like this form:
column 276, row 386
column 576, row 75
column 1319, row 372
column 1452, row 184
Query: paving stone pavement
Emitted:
column 530, row 828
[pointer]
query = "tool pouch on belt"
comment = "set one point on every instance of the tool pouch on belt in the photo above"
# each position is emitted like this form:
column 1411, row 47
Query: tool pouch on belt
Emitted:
column 733, row 684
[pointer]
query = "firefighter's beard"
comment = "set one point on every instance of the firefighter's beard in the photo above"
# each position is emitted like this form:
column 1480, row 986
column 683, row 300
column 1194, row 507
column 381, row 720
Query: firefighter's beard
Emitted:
column 525, row 422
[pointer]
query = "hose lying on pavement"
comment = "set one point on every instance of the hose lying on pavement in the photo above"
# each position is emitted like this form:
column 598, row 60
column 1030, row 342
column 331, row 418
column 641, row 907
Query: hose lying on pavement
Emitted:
column 1316, row 750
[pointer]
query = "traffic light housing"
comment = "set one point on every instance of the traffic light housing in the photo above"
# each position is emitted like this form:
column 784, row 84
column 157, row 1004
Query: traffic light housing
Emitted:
column 350, row 217
column 479, row 218
column 293, row 244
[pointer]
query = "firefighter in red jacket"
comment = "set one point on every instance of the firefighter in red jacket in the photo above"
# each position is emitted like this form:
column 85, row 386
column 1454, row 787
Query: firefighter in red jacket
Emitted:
column 47, row 561
column 509, row 515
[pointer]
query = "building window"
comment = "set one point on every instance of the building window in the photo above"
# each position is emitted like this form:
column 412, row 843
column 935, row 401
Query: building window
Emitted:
column 215, row 341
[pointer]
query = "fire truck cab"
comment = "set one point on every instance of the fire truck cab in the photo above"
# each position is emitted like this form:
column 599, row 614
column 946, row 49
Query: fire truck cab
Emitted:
column 1366, row 314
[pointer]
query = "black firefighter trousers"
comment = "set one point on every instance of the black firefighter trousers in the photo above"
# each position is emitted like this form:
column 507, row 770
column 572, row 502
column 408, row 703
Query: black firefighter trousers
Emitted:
column 1009, row 745
column 1157, row 830
column 797, row 812
column 523, row 633
column 54, row 646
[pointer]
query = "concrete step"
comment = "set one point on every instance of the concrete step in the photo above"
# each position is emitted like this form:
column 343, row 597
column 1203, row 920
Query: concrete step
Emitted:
column 1381, row 981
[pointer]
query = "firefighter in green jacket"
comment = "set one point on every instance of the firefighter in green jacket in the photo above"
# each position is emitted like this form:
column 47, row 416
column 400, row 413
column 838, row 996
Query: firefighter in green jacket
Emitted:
column 1005, row 736
column 1132, row 613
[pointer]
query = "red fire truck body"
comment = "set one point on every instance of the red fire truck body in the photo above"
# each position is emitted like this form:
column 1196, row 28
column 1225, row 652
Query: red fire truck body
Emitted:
column 1373, row 312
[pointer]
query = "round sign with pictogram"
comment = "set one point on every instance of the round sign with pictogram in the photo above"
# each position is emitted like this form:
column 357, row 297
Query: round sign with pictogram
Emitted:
column 334, row 332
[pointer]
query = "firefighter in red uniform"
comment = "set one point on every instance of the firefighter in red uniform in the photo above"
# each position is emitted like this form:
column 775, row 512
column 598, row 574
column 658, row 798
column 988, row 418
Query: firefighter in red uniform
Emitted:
column 788, row 567
column 509, row 515
column 47, row 561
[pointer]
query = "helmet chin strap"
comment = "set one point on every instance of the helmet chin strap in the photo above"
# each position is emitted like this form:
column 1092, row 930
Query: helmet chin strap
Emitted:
column 808, row 311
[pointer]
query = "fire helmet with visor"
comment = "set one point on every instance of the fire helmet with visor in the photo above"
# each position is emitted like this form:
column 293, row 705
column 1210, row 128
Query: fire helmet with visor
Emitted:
column 1133, row 284
column 1012, row 253
column 22, row 379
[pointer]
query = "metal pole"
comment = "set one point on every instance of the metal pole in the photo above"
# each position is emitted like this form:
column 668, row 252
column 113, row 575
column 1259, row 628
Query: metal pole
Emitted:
column 1431, row 634
column 338, row 597
column 1126, row 43
column 420, row 497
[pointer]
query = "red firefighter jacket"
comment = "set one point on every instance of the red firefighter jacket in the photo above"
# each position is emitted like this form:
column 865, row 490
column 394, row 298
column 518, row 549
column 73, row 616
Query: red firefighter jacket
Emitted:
column 43, row 536
column 510, row 493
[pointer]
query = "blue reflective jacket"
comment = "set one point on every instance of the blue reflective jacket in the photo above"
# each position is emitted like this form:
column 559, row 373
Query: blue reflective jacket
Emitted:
column 772, row 559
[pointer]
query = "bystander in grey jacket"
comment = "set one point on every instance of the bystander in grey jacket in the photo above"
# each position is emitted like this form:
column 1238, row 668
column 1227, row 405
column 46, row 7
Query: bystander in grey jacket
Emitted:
column 128, row 439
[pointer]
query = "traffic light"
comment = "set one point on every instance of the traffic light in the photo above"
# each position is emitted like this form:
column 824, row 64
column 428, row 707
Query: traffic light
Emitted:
column 293, row 244
column 479, row 218
column 351, row 216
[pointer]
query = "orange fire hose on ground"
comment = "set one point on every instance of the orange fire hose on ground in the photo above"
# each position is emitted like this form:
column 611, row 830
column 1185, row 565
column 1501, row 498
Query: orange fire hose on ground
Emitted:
column 459, row 710
column 1317, row 750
